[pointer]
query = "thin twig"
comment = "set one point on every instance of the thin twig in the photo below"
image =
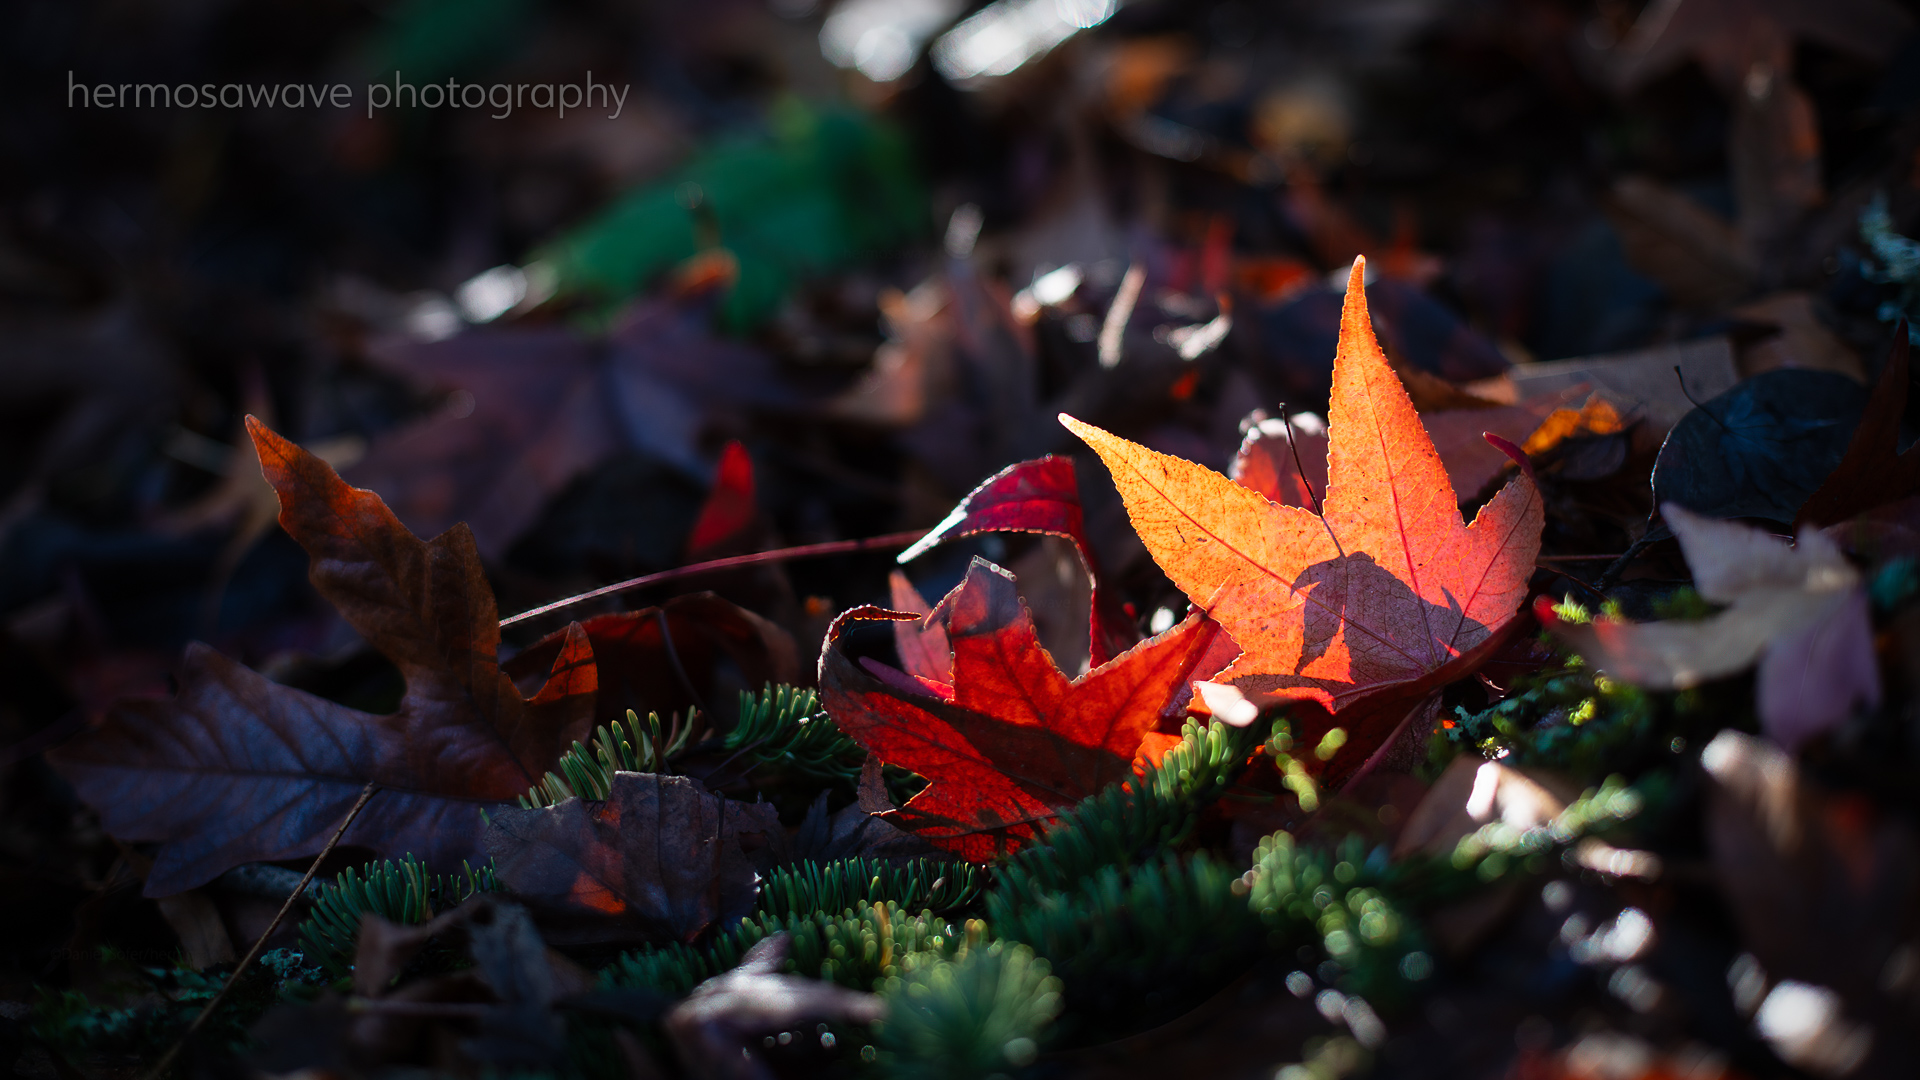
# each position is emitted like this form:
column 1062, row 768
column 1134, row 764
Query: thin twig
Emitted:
column 1113, row 330
column 1688, row 394
column 804, row 551
column 199, row 1021
column 1576, row 582
column 673, row 657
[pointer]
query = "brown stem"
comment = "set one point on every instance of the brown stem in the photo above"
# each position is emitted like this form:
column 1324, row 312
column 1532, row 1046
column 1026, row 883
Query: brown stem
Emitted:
column 804, row 551
column 199, row 1021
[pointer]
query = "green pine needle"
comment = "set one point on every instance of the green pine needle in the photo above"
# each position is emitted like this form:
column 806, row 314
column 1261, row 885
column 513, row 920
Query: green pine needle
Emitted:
column 403, row 892
column 856, row 948
column 618, row 747
column 782, row 729
column 845, row 884
column 982, row 1012
column 1123, row 823
column 785, row 728
column 1138, row 945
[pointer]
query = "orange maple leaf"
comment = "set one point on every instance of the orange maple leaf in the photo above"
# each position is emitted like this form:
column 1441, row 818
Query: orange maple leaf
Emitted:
column 1376, row 601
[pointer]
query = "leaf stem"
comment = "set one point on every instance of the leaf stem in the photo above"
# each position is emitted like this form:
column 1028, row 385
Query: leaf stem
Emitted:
column 1297, row 466
column 1688, row 394
column 804, row 551
column 246, row 961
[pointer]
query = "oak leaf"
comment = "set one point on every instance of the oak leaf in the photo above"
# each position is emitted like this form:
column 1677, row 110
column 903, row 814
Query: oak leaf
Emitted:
column 236, row 769
column 1383, row 596
column 1012, row 741
column 662, row 858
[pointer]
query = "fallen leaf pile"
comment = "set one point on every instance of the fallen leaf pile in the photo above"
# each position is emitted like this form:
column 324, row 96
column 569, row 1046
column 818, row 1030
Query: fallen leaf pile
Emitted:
column 236, row 769
column 946, row 540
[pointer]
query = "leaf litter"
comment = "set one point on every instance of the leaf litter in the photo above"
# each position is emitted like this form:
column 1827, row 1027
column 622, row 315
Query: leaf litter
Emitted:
column 1550, row 756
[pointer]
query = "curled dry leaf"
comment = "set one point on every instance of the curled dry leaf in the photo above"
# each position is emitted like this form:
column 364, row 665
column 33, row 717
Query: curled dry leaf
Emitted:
column 662, row 859
column 1038, row 496
column 923, row 648
column 236, row 769
column 1382, row 597
column 1011, row 742
column 1798, row 611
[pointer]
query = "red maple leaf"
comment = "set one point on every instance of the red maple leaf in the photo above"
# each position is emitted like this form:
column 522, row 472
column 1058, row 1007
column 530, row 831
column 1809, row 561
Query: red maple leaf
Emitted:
column 1013, row 741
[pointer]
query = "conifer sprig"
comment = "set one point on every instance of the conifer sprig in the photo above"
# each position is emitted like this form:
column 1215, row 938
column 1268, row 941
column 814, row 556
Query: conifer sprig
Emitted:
column 844, row 884
column 402, row 892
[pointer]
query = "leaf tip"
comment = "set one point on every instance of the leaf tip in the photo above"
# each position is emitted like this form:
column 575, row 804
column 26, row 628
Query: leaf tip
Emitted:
column 1519, row 456
column 1090, row 434
column 262, row 435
